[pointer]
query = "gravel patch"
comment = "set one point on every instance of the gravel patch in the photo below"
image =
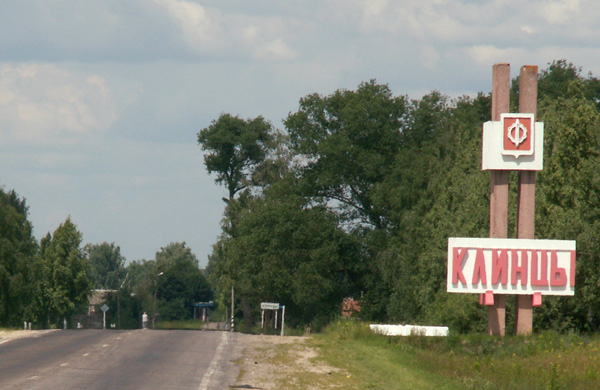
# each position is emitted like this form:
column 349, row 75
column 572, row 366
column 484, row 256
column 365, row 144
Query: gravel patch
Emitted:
column 265, row 365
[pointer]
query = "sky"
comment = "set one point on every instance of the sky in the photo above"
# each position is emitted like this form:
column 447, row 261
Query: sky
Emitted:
column 101, row 100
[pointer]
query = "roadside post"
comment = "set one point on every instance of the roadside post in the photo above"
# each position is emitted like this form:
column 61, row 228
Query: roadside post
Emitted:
column 104, row 309
column 282, row 318
column 232, row 308
column 496, row 266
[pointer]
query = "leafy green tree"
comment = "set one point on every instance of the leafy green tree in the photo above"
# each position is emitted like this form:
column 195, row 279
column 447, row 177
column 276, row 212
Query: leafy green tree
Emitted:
column 107, row 272
column 17, row 250
column 567, row 202
column 348, row 142
column 235, row 148
column 288, row 252
column 106, row 265
column 141, row 281
column 436, row 190
column 554, row 81
column 181, row 283
column 63, row 272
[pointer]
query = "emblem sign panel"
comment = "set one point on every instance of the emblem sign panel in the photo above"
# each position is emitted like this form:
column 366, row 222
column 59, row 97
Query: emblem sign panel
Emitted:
column 518, row 139
column 516, row 142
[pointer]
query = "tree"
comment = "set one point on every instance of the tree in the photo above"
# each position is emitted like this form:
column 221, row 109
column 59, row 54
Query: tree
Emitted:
column 289, row 252
column 62, row 273
column 235, row 148
column 567, row 201
column 141, row 283
column 106, row 265
column 401, row 177
column 180, row 283
column 348, row 142
column 17, row 250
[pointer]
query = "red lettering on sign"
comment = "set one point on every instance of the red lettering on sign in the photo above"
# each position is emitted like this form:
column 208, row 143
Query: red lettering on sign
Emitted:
column 500, row 266
column 479, row 270
column 457, row 260
column 515, row 268
column 541, row 278
column 558, row 275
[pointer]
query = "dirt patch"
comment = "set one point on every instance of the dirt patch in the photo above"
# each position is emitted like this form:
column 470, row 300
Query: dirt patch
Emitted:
column 270, row 362
column 6, row 335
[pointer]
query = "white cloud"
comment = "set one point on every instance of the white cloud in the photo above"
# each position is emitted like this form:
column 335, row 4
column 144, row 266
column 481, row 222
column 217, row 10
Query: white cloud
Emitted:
column 47, row 105
column 561, row 11
column 198, row 29
column 276, row 50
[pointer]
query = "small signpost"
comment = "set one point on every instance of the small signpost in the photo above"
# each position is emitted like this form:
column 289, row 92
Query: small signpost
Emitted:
column 275, row 307
column 104, row 309
column 496, row 266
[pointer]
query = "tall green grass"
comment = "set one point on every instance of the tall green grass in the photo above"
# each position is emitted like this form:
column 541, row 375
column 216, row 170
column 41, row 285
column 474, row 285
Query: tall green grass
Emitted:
column 543, row 361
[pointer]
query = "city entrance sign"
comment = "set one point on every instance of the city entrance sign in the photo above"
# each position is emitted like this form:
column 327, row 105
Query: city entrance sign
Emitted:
column 511, row 266
column 498, row 266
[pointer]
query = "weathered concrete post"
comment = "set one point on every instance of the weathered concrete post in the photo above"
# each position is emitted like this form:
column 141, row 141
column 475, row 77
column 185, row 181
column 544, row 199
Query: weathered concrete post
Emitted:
column 526, row 208
column 499, row 192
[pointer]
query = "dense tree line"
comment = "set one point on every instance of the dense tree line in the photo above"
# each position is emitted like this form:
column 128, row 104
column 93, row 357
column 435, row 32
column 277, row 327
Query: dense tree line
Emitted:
column 50, row 281
column 357, row 196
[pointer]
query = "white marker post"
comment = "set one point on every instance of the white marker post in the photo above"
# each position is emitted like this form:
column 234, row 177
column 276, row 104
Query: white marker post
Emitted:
column 104, row 309
column 282, row 318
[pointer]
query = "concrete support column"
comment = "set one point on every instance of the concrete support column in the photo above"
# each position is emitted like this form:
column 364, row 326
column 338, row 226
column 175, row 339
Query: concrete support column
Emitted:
column 499, row 192
column 526, row 211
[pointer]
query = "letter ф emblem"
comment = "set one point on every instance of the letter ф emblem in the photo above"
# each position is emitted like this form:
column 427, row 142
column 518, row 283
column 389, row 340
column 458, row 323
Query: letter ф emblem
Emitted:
column 518, row 134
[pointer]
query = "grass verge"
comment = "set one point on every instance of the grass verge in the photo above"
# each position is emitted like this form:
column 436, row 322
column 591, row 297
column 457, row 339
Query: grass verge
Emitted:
column 543, row 361
column 186, row 325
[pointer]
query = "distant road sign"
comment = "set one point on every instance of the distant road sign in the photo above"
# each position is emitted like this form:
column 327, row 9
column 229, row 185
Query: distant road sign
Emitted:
column 104, row 308
column 269, row 306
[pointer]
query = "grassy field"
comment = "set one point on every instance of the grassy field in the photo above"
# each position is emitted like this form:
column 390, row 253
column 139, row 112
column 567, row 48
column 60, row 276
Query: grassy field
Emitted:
column 543, row 361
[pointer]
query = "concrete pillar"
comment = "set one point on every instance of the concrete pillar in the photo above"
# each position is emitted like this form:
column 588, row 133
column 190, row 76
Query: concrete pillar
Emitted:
column 499, row 192
column 526, row 211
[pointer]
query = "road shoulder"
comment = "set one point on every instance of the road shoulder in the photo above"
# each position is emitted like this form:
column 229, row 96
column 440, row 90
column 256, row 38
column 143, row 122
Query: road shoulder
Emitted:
column 270, row 362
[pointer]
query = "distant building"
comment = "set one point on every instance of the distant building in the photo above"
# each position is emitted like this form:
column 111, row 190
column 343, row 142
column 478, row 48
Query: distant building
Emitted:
column 98, row 297
column 93, row 319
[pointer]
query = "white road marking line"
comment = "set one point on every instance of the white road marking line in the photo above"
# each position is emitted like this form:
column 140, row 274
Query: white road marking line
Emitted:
column 213, row 364
column 32, row 378
column 105, row 345
column 64, row 364
column 85, row 354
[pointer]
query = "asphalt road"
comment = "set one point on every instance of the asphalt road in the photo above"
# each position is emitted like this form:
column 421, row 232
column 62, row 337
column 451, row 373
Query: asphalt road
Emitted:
column 111, row 359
